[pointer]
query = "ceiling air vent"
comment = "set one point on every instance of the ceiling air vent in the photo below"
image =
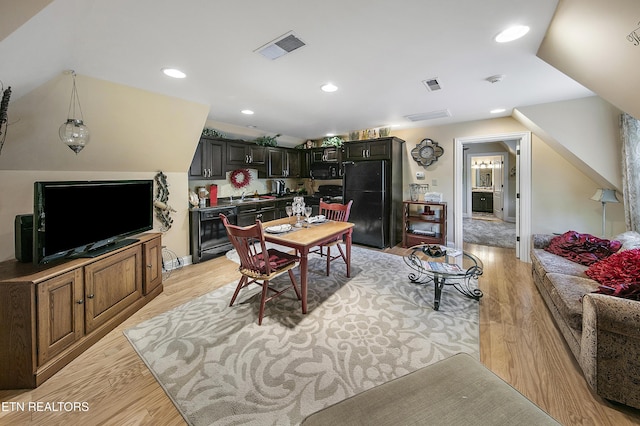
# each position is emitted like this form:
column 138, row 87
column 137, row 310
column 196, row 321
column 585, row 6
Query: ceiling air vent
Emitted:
column 284, row 44
column 432, row 84
column 443, row 113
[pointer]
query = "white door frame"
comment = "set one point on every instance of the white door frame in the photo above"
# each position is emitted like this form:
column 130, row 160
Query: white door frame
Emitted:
column 523, row 193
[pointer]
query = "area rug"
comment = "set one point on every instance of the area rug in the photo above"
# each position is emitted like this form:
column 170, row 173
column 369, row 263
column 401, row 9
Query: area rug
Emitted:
column 219, row 367
column 489, row 232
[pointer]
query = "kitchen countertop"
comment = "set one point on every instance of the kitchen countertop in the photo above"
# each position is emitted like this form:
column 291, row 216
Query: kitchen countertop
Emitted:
column 225, row 202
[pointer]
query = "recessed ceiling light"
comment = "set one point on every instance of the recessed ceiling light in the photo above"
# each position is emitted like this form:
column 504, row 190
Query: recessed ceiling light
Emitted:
column 329, row 135
column 497, row 110
column 247, row 112
column 512, row 33
column 172, row 72
column 329, row 87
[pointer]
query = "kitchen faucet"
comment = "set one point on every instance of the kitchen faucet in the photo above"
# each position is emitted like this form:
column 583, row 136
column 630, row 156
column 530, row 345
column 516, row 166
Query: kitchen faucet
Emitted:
column 242, row 196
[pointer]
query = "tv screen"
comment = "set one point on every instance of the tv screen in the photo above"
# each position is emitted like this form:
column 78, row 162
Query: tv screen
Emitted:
column 79, row 219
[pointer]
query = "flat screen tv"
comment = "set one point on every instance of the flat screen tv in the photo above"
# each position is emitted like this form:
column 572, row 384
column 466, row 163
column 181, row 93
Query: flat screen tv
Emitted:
column 86, row 219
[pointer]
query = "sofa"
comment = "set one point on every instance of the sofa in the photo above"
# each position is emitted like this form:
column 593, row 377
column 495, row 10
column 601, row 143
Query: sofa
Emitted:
column 602, row 331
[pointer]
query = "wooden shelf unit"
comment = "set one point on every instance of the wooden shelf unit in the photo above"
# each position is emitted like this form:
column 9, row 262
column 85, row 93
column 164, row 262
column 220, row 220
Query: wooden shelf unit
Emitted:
column 414, row 220
column 51, row 314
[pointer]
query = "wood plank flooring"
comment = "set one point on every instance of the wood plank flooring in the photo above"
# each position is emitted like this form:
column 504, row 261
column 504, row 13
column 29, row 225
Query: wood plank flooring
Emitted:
column 518, row 341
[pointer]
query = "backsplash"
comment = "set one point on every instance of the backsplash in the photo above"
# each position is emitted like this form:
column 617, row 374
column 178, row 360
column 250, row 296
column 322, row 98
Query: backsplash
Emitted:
column 261, row 185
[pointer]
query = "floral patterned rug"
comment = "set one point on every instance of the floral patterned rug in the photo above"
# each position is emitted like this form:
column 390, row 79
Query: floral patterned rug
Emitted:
column 219, row 367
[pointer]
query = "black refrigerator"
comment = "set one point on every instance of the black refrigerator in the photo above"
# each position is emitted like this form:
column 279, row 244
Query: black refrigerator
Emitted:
column 367, row 183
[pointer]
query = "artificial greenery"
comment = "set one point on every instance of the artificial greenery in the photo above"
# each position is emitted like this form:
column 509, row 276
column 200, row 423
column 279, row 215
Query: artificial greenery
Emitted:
column 333, row 141
column 213, row 133
column 267, row 140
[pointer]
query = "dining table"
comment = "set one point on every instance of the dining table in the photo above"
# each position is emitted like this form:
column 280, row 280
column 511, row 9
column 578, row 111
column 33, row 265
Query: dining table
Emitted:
column 304, row 238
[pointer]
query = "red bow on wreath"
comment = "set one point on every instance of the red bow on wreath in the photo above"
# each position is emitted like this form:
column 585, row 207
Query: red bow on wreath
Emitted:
column 240, row 178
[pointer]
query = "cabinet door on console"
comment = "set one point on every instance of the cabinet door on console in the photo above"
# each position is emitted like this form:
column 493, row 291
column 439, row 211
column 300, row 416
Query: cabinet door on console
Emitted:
column 112, row 284
column 152, row 265
column 60, row 314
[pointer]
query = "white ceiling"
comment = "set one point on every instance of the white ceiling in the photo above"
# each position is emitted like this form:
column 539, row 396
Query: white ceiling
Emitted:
column 376, row 51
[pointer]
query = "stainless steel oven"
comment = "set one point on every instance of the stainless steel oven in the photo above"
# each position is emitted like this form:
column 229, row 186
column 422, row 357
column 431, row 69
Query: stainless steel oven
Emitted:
column 207, row 232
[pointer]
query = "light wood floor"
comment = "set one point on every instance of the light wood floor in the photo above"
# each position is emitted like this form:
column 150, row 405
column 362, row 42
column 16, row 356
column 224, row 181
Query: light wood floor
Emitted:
column 518, row 341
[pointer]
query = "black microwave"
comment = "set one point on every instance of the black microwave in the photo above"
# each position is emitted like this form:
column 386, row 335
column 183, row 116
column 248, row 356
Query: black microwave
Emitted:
column 325, row 171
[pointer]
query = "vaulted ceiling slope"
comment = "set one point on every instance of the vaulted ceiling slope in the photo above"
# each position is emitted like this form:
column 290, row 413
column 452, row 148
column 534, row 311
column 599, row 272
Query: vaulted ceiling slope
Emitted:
column 597, row 43
column 378, row 53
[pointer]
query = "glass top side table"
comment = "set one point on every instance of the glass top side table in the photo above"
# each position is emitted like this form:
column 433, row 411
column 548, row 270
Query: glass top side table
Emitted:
column 445, row 266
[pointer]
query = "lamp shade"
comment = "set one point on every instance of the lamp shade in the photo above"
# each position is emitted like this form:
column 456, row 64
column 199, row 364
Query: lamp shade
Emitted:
column 605, row 196
column 74, row 134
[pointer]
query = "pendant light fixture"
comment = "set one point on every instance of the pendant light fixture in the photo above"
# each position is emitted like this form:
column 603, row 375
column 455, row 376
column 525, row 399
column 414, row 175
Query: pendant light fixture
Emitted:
column 73, row 132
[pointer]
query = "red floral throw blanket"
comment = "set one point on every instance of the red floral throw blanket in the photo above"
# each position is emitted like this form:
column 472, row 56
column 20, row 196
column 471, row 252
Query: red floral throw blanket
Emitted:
column 619, row 274
column 582, row 248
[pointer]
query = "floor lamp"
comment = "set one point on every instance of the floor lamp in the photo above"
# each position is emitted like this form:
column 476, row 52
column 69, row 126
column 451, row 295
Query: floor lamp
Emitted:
column 605, row 196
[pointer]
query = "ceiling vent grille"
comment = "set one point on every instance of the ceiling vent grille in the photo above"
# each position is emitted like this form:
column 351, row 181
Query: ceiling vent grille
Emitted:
column 284, row 44
column 443, row 113
column 432, row 84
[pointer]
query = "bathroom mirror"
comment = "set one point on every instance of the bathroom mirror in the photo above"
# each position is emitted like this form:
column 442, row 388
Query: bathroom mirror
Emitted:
column 484, row 178
column 482, row 175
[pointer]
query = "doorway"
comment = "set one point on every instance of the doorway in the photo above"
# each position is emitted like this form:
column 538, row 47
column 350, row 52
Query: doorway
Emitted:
column 487, row 192
column 523, row 187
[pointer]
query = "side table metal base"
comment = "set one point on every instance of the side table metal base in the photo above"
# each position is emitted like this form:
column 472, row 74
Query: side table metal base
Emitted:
column 461, row 280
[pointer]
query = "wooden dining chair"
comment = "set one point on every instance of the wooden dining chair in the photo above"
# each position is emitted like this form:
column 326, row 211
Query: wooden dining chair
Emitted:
column 255, row 267
column 340, row 213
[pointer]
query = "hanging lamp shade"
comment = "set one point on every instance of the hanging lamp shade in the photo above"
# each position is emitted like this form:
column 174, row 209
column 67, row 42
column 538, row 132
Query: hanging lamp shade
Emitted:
column 74, row 133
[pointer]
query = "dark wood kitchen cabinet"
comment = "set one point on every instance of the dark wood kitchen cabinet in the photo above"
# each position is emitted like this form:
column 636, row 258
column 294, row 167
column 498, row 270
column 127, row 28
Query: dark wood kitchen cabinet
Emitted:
column 372, row 149
column 327, row 154
column 283, row 162
column 246, row 154
column 208, row 160
column 248, row 213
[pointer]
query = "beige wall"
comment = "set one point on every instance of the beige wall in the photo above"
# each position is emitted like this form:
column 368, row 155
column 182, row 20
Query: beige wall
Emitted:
column 561, row 197
column 586, row 132
column 131, row 129
column 560, row 191
column 587, row 40
column 134, row 134
column 16, row 189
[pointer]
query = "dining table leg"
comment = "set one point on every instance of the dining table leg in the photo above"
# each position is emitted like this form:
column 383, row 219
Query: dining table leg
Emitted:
column 348, row 243
column 304, row 255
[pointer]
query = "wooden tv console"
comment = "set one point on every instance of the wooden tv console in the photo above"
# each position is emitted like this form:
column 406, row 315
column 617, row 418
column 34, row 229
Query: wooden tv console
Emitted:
column 49, row 315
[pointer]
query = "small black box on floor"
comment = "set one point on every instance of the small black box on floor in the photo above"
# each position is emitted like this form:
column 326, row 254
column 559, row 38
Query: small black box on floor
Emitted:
column 24, row 237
